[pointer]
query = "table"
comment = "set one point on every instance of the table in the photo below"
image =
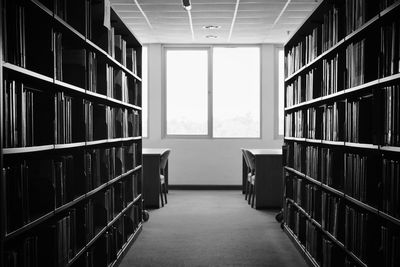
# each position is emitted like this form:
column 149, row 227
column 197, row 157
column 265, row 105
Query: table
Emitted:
column 268, row 178
column 151, row 176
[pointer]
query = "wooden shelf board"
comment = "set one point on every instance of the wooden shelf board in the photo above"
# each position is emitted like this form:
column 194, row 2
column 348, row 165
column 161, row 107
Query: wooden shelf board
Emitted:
column 12, row 67
column 334, row 143
column 314, row 141
column 361, row 87
column 332, row 190
column 390, row 148
column 362, row 28
column 389, row 9
column 30, row 149
column 69, row 27
column 312, row 180
column 361, row 145
column 71, row 145
column 390, row 78
column 126, row 246
column 294, row 171
column 29, row 225
column 42, row 7
column 70, row 86
column 389, row 217
column 306, row 255
column 362, row 204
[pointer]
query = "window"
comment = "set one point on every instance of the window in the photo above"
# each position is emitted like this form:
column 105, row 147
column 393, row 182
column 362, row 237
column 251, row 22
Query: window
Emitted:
column 231, row 109
column 281, row 91
column 236, row 92
column 144, row 91
column 187, row 92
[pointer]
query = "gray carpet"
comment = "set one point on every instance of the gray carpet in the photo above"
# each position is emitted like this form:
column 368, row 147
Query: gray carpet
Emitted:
column 211, row 228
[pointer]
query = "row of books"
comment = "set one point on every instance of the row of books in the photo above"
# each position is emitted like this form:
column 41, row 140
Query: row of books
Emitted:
column 72, row 64
column 331, row 76
column 331, row 27
column 28, row 122
column 85, row 69
column 349, row 120
column 355, row 63
column 389, row 246
column 56, row 244
column 391, row 122
column 372, row 248
column 102, row 165
column 356, row 14
column 391, row 187
column 360, row 120
column 26, row 116
column 361, row 177
column 60, row 180
column 389, row 49
column 333, row 122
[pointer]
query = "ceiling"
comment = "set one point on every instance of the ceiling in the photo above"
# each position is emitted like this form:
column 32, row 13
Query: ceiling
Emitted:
column 240, row 21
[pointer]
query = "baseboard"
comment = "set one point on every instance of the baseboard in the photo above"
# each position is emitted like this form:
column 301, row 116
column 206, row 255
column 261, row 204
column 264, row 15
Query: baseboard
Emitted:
column 203, row 187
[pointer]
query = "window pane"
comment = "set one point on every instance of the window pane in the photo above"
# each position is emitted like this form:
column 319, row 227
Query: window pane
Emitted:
column 187, row 90
column 236, row 92
column 144, row 92
column 281, row 94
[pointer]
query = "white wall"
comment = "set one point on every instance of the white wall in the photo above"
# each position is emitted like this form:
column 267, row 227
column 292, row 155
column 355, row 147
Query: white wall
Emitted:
column 209, row 161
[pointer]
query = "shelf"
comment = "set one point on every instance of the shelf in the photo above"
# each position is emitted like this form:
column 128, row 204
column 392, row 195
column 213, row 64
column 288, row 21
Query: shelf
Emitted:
column 29, row 226
column 392, row 219
column 361, row 29
column 332, row 190
column 71, row 87
column 26, row 72
column 362, row 204
column 68, row 27
column 295, row 171
column 70, row 204
column 306, row 103
column 42, row 7
column 333, row 143
column 389, row 9
column 30, row 149
column 71, row 145
column 390, row 148
column 295, row 139
column 314, row 141
column 126, row 246
column 358, row 145
column 312, row 180
column 328, row 234
column 300, row 247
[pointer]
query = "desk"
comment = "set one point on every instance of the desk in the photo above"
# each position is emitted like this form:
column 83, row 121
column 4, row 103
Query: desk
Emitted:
column 151, row 176
column 268, row 180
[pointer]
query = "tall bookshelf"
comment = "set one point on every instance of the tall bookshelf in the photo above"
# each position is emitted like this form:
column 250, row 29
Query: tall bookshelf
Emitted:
column 342, row 134
column 71, row 145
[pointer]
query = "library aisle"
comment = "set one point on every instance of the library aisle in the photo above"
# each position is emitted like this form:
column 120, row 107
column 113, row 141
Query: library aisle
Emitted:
column 211, row 228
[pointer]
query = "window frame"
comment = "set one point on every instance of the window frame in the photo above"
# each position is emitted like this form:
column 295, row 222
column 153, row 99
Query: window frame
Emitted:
column 147, row 111
column 209, row 134
column 276, row 93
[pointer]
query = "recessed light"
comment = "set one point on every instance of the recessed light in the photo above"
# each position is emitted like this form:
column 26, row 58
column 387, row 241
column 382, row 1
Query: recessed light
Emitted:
column 211, row 36
column 211, row 27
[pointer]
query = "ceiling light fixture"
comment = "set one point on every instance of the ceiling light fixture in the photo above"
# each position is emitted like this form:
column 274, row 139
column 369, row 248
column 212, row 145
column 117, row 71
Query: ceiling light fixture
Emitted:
column 211, row 27
column 211, row 36
column 186, row 5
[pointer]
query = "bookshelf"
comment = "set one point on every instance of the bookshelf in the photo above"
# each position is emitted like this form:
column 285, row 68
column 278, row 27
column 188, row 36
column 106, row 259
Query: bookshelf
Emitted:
column 71, row 145
column 342, row 134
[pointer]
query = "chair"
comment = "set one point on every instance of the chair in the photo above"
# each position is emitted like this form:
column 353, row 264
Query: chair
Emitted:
column 163, row 184
column 249, row 174
column 251, row 180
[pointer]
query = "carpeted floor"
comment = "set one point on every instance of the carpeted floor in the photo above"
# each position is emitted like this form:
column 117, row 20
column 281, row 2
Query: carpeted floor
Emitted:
column 211, row 228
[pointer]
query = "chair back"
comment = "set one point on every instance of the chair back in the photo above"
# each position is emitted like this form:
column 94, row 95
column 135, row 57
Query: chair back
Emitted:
column 251, row 159
column 164, row 159
column 245, row 158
